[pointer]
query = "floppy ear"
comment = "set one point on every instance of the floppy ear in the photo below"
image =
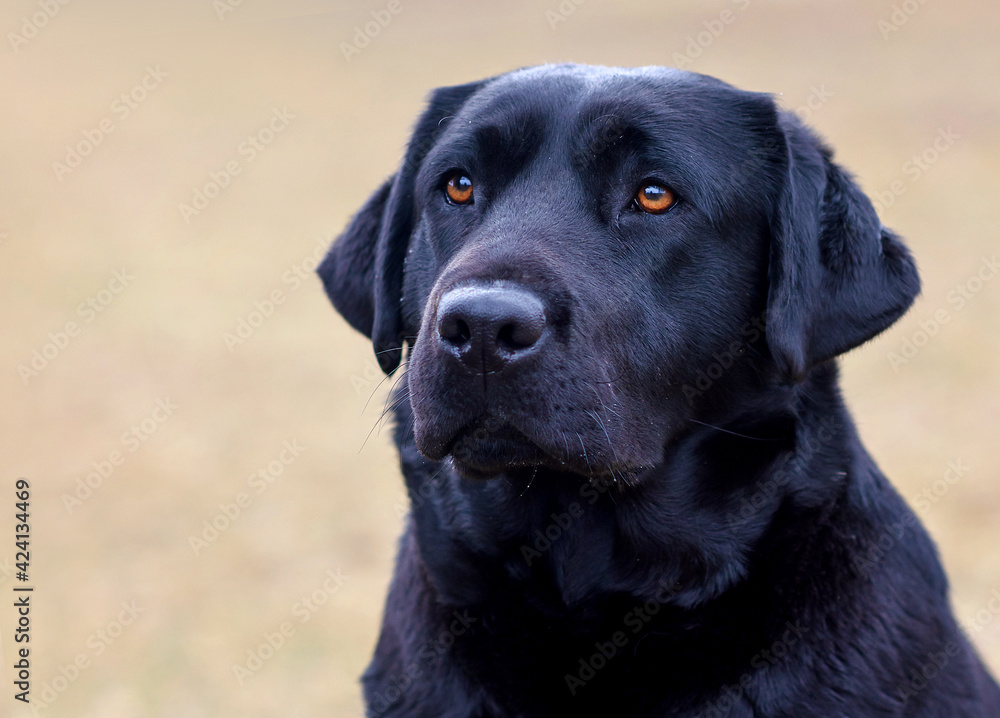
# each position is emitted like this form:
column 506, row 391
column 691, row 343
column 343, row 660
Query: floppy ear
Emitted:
column 837, row 277
column 363, row 270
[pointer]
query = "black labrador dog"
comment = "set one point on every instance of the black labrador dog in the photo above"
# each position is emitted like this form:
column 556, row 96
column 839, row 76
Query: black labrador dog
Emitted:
column 635, row 488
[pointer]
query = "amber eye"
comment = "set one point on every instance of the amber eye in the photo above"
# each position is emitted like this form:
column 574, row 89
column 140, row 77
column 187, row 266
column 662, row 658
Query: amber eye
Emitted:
column 654, row 198
column 459, row 189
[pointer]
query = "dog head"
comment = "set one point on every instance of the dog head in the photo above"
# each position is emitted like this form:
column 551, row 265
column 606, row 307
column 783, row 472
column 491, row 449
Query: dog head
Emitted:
column 584, row 260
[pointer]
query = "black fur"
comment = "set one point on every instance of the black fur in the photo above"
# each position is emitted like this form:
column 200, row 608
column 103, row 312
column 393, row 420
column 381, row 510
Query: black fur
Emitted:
column 662, row 507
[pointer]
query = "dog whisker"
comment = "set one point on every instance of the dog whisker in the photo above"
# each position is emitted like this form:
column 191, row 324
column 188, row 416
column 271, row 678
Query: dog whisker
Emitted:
column 381, row 382
column 392, row 389
column 530, row 482
column 727, row 431
column 378, row 422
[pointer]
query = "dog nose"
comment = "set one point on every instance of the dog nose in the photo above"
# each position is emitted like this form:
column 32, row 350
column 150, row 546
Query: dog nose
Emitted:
column 487, row 328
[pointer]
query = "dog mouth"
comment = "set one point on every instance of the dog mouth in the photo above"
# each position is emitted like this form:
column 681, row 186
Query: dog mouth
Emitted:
column 523, row 423
column 489, row 447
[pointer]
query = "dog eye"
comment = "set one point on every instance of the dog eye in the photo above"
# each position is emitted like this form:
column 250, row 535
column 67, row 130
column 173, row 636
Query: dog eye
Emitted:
column 654, row 198
column 459, row 189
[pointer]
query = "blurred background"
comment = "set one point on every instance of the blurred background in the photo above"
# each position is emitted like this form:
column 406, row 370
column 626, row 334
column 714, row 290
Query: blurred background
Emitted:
column 214, row 510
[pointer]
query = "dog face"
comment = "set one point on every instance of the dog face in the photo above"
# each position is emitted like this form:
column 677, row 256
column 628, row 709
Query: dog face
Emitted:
column 585, row 260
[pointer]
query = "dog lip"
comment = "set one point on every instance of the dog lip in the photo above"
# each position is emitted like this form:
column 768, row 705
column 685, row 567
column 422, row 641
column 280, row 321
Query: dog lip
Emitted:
column 468, row 472
column 498, row 449
column 439, row 446
column 503, row 447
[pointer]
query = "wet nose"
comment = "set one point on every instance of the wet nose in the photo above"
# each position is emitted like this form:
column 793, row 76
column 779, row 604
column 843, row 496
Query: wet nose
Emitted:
column 487, row 328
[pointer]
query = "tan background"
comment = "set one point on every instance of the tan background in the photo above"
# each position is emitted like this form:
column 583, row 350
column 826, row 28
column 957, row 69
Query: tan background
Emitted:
column 303, row 376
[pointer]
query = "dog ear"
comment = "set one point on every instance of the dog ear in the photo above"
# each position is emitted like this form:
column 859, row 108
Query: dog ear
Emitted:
column 836, row 276
column 348, row 269
column 363, row 270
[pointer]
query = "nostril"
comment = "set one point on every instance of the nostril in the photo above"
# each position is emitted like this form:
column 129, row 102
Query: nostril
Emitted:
column 517, row 336
column 454, row 329
column 505, row 338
